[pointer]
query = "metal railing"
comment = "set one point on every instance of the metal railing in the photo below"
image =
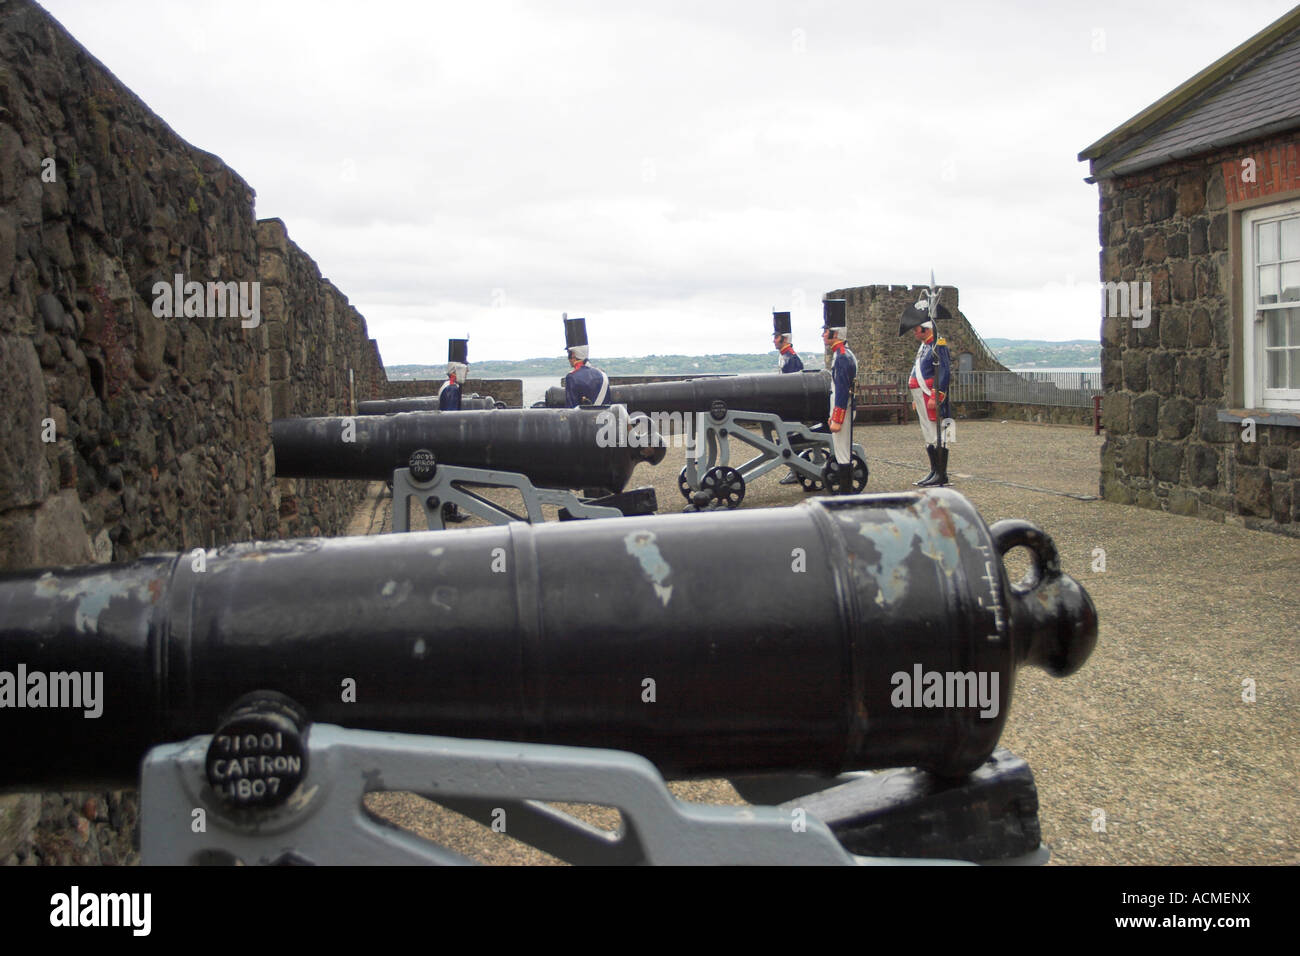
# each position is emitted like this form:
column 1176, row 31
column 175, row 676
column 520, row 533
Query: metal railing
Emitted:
column 1071, row 389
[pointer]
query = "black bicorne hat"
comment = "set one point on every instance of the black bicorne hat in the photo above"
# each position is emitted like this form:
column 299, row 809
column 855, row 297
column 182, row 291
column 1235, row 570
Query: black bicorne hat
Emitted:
column 912, row 317
column 835, row 313
column 458, row 351
column 780, row 323
column 575, row 333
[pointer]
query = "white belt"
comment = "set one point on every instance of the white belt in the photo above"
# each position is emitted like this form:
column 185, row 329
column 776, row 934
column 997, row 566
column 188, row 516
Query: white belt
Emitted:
column 920, row 379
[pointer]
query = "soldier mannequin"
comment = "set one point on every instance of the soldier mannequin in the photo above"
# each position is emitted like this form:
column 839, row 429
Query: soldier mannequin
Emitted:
column 787, row 361
column 929, row 385
column 457, row 372
column 449, row 401
column 586, row 384
column 844, row 370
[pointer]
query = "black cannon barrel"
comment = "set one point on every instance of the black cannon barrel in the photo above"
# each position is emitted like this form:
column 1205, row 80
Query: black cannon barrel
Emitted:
column 421, row 403
column 555, row 448
column 844, row 633
column 799, row 397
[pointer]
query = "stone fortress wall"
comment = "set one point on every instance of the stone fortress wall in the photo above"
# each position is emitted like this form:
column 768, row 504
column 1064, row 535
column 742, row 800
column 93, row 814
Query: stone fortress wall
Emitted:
column 126, row 431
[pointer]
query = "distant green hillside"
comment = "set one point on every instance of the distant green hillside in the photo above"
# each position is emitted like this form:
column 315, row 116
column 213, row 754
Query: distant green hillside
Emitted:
column 641, row 365
column 1027, row 353
column 1013, row 353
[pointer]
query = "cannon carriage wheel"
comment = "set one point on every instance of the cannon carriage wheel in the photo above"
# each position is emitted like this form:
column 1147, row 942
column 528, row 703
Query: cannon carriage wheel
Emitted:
column 817, row 458
column 684, row 486
column 725, row 485
column 831, row 479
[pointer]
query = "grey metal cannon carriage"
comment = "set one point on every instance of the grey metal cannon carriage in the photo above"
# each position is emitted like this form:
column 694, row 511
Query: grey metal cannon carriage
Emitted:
column 709, row 413
column 791, row 650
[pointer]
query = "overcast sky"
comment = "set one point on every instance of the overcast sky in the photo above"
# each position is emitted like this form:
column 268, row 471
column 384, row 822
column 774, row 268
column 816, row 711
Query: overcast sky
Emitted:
column 670, row 170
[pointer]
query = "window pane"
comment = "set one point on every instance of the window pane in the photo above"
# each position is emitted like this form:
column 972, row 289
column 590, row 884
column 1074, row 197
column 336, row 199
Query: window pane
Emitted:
column 1275, row 329
column 1295, row 368
column 1293, row 316
column 1291, row 238
column 1291, row 282
column 1267, row 284
column 1276, row 369
column 1266, row 249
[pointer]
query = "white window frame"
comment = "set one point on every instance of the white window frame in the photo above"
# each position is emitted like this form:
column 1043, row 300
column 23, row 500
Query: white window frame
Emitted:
column 1252, row 326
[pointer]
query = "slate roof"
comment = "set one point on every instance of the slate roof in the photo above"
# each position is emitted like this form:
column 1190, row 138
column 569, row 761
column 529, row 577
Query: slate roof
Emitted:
column 1251, row 92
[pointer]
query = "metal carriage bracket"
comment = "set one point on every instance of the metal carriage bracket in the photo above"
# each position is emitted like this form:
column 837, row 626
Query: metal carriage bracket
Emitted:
column 325, row 822
column 778, row 442
column 450, row 485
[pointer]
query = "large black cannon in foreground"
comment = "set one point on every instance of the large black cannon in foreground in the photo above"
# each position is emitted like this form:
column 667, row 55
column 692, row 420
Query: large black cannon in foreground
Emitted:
column 844, row 634
column 765, row 412
column 423, row 403
column 483, row 667
column 438, row 458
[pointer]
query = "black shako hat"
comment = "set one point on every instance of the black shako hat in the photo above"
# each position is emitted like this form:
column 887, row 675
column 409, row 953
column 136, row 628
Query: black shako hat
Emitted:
column 575, row 333
column 834, row 313
column 458, row 351
column 780, row 323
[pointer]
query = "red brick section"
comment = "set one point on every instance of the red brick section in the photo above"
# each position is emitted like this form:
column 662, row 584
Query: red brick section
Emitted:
column 1276, row 170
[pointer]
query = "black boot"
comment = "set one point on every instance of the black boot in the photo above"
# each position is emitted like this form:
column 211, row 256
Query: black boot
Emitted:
column 846, row 479
column 940, row 474
column 941, row 478
column 928, row 479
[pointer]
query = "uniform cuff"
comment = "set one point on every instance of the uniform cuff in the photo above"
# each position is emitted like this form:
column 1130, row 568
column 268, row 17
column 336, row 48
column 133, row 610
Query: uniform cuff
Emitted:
column 837, row 416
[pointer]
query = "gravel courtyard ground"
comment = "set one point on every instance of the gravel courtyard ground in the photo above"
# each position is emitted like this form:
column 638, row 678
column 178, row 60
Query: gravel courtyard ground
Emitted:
column 1153, row 735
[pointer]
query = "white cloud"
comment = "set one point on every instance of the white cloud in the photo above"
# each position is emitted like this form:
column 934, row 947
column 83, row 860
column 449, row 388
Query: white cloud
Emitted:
column 670, row 170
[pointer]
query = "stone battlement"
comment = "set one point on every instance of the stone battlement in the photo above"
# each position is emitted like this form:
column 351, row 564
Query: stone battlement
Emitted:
column 873, row 313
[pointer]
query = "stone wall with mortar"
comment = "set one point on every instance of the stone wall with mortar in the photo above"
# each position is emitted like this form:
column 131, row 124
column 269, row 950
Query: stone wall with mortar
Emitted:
column 320, row 362
column 1165, row 385
column 126, row 431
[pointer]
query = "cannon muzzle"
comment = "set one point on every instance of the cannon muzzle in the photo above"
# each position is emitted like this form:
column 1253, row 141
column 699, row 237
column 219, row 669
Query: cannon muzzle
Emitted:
column 570, row 448
column 799, row 397
column 840, row 634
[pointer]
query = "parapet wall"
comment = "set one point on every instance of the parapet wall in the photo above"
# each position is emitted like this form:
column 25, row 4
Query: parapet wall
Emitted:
column 508, row 390
column 130, row 425
column 1016, row 412
column 319, row 361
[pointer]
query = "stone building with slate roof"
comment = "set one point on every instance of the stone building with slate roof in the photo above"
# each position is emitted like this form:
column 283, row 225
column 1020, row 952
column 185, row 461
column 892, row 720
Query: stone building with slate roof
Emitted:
column 1200, row 223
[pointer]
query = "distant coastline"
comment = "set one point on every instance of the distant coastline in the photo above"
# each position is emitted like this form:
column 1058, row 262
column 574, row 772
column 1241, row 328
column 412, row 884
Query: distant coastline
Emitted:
column 1018, row 354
